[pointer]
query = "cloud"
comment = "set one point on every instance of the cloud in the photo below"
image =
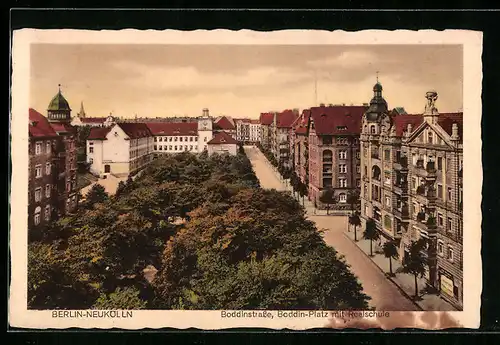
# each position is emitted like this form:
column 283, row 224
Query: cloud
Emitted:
column 346, row 59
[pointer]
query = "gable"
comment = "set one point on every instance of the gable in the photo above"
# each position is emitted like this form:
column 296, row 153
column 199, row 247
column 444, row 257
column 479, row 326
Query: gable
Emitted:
column 426, row 132
column 120, row 134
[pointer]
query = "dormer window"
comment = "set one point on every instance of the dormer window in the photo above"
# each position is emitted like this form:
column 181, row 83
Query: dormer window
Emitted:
column 341, row 128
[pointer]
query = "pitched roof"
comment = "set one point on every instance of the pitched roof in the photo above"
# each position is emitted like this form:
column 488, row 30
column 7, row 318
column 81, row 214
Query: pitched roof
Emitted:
column 58, row 103
column 224, row 123
column 401, row 122
column 300, row 125
column 266, row 118
column 254, row 122
column 98, row 133
column 446, row 121
column 135, row 130
column 61, row 128
column 222, row 138
column 286, row 118
column 173, row 128
column 39, row 125
column 337, row 119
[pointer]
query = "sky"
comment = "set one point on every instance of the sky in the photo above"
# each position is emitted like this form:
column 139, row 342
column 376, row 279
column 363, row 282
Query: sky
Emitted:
column 240, row 80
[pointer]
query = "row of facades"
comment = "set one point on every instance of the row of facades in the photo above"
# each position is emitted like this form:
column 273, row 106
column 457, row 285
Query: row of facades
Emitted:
column 407, row 168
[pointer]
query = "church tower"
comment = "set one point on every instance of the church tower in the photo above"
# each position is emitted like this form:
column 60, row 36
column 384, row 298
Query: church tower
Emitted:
column 59, row 110
column 81, row 114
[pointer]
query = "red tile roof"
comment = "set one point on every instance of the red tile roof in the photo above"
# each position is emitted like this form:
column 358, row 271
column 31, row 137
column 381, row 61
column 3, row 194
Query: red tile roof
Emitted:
column 224, row 123
column 63, row 128
column 446, row 121
column 300, row 125
column 39, row 125
column 98, row 133
column 327, row 120
column 93, row 120
column 254, row 122
column 222, row 138
column 286, row 118
column 135, row 130
column 401, row 122
column 173, row 128
column 266, row 118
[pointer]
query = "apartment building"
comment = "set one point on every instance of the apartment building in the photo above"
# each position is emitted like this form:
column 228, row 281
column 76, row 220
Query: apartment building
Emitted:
column 412, row 185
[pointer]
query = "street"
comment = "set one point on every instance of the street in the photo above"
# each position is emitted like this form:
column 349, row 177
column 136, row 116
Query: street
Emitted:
column 385, row 295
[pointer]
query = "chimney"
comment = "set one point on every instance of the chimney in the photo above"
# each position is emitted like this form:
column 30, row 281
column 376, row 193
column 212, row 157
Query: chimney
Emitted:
column 454, row 131
column 343, row 104
column 322, row 104
column 205, row 112
column 365, row 104
column 296, row 111
column 409, row 129
column 330, row 105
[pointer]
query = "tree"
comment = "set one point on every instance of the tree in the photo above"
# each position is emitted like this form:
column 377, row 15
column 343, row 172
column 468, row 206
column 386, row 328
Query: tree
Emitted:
column 371, row 233
column 120, row 189
column 261, row 252
column 355, row 221
column 391, row 252
column 96, row 194
column 327, row 197
column 415, row 262
column 121, row 299
column 302, row 191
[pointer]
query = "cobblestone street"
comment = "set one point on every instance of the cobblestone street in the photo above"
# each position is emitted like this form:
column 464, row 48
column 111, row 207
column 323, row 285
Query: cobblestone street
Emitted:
column 385, row 295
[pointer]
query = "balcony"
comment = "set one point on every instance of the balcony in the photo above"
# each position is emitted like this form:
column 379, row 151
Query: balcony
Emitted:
column 401, row 163
column 375, row 155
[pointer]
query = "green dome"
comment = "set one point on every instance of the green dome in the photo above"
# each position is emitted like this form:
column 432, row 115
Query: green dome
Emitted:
column 59, row 103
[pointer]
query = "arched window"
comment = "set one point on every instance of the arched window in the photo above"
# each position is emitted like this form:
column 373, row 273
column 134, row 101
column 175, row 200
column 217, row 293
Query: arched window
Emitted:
column 376, row 173
column 327, row 156
column 38, row 210
column 342, row 197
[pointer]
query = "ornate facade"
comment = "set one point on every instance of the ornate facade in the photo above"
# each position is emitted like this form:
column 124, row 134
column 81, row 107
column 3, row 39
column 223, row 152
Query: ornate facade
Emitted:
column 411, row 172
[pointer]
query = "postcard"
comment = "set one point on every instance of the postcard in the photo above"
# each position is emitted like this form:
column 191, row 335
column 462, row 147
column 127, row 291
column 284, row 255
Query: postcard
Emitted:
column 221, row 179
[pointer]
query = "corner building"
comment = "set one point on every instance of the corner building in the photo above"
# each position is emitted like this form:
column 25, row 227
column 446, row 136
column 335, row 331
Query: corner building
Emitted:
column 411, row 172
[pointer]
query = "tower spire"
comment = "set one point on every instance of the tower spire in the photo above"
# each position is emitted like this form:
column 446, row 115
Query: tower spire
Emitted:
column 59, row 86
column 377, row 75
column 81, row 114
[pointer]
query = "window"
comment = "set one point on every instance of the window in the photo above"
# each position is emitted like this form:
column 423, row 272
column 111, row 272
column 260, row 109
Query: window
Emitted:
column 180, row 139
column 190, row 138
column 440, row 191
column 38, row 194
column 48, row 147
column 205, row 139
column 38, row 210
column 160, row 139
column 342, row 168
column 191, row 147
column 176, row 138
column 449, row 194
column 47, row 191
column 342, row 197
column 165, row 147
column 387, row 201
column 449, row 255
column 358, row 169
column 47, row 168
column 440, row 219
column 413, row 183
column 155, row 147
column 342, row 182
column 170, row 147
column 366, row 170
column 155, row 139
column 372, row 129
column 47, row 212
column 38, row 171
column 440, row 248
column 38, row 148
column 343, row 154
column 161, row 148
column 387, row 177
column 387, row 222
column 387, row 155
column 91, row 149
column 430, row 138
column 449, row 224
column 175, row 148
column 186, row 139
column 440, row 163
column 91, row 160
column 357, row 155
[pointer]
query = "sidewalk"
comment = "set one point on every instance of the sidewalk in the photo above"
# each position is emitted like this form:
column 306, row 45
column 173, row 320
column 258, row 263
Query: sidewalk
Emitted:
column 404, row 281
column 308, row 205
